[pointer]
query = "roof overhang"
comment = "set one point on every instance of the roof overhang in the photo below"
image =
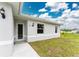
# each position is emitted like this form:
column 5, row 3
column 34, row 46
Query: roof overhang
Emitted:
column 28, row 17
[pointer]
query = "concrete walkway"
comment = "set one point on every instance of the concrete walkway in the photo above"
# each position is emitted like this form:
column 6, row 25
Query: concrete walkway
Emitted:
column 24, row 50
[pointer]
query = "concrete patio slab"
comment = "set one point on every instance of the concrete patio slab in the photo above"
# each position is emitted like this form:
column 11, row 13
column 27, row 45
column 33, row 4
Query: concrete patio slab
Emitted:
column 24, row 50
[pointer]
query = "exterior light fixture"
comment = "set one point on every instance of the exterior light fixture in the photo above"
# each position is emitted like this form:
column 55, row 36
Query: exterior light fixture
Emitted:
column 2, row 12
column 32, row 24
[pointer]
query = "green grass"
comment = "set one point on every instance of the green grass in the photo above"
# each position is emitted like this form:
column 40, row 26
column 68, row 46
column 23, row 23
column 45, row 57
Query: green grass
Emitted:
column 65, row 46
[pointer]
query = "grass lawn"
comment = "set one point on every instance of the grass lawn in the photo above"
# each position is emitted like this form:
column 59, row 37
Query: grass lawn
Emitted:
column 66, row 46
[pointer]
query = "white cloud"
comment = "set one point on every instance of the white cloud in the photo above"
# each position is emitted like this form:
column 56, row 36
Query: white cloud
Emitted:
column 68, row 17
column 62, row 5
column 35, row 15
column 42, row 10
column 74, row 5
column 51, row 4
column 70, row 14
column 71, row 21
column 66, row 13
column 55, row 6
column 54, row 10
column 65, row 18
column 45, row 16
column 74, row 13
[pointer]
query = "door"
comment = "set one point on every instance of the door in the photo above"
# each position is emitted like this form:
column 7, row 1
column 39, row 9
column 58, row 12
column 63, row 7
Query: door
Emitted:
column 20, row 31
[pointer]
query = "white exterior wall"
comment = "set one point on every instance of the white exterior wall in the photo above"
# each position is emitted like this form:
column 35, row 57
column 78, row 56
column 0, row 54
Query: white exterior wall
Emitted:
column 49, row 31
column 6, row 31
column 15, row 7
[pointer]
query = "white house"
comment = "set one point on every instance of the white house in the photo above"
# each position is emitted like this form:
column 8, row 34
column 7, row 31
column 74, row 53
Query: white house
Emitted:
column 17, row 27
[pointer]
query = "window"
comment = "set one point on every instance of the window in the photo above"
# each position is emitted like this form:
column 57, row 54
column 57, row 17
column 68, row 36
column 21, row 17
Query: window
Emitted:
column 40, row 28
column 56, row 29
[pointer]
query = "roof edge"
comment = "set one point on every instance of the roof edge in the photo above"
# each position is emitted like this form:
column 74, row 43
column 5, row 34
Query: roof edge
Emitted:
column 24, row 17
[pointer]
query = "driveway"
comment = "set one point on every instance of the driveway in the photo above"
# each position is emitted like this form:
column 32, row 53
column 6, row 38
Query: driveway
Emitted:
column 24, row 50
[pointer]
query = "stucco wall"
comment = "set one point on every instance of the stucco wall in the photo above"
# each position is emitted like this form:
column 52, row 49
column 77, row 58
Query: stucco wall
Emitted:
column 6, row 31
column 49, row 31
column 15, row 7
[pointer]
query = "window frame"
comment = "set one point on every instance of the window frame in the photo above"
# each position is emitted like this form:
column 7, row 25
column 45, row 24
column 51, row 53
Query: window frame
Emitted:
column 56, row 29
column 40, row 28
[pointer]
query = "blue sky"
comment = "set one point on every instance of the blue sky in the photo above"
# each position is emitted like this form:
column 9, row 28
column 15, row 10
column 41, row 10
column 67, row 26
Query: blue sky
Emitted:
column 33, row 8
column 66, row 12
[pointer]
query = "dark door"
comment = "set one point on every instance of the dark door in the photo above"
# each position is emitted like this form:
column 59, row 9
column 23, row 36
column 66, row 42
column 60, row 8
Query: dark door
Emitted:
column 20, row 31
